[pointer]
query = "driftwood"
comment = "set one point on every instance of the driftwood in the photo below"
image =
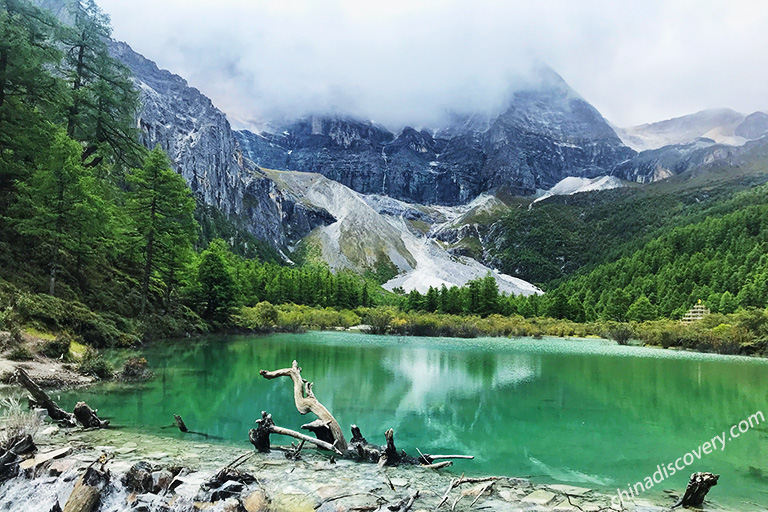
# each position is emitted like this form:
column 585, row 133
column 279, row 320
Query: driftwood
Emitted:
column 697, row 489
column 87, row 416
column 328, row 431
column 259, row 437
column 42, row 399
column 456, row 482
column 326, row 428
column 86, row 495
column 180, row 423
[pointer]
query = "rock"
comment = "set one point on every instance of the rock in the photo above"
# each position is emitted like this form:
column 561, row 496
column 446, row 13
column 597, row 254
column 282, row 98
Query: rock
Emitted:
column 569, row 490
column 42, row 458
column 564, row 506
column 61, row 466
column 139, row 478
column 228, row 489
column 285, row 502
column 161, row 480
column 539, row 497
column 399, row 482
column 50, row 431
column 257, row 501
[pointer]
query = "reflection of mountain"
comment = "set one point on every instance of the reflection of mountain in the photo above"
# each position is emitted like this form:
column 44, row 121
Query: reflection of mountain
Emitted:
column 435, row 377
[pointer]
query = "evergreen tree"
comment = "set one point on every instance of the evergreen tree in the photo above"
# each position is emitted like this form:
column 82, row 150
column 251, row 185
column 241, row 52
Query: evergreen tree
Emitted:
column 489, row 296
column 103, row 100
column 161, row 206
column 728, row 303
column 642, row 310
column 218, row 291
column 60, row 207
column 30, row 94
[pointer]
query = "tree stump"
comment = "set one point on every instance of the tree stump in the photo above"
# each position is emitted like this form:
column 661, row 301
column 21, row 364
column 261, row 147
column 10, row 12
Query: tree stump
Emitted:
column 87, row 416
column 697, row 489
column 259, row 436
column 326, row 428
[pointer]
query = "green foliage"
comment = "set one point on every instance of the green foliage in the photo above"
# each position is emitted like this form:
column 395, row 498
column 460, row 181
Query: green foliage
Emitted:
column 20, row 353
column 161, row 206
column 135, row 368
column 57, row 348
column 218, row 292
column 94, row 365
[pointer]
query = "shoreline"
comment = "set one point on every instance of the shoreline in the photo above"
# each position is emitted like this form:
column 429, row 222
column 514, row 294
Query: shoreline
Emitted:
column 311, row 483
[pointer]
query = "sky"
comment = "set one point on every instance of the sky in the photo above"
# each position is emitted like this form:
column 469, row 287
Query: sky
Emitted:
column 403, row 62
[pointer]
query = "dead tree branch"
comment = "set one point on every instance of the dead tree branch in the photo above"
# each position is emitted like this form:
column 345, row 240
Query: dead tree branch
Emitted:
column 326, row 428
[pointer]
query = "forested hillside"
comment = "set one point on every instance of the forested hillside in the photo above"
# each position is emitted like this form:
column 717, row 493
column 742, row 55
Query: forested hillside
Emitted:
column 99, row 236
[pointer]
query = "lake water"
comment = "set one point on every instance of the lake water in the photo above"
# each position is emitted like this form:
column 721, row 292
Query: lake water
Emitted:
column 582, row 412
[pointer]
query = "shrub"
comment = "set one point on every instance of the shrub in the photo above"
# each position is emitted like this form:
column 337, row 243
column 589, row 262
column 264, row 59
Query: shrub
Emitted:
column 57, row 348
column 20, row 353
column 94, row 365
column 620, row 333
column 135, row 368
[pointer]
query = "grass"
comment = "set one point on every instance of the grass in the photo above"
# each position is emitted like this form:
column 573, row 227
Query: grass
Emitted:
column 36, row 333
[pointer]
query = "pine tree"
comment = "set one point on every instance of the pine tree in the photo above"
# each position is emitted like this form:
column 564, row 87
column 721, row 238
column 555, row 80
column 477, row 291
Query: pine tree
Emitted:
column 218, row 291
column 30, row 94
column 59, row 205
column 103, row 100
column 162, row 210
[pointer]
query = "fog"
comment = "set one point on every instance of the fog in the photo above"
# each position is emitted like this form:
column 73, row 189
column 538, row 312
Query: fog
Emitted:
column 408, row 62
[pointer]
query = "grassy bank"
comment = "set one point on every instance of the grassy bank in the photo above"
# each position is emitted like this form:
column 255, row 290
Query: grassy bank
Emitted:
column 744, row 332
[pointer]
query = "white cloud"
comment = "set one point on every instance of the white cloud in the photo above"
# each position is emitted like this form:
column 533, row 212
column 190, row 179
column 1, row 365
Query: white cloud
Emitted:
column 406, row 61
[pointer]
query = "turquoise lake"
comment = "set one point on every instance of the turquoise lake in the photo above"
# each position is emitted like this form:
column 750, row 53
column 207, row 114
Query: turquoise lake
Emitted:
column 582, row 412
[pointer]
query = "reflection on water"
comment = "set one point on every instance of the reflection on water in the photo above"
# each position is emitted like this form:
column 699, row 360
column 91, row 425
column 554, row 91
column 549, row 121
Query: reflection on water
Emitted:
column 582, row 412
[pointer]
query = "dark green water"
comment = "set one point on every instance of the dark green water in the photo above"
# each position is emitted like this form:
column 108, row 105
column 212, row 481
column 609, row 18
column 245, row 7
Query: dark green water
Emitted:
column 579, row 412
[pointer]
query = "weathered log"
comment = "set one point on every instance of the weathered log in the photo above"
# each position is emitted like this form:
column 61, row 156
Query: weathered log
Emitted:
column 183, row 427
column 298, row 435
column 87, row 416
column 42, row 399
column 697, row 489
column 86, row 495
column 259, row 436
column 327, row 429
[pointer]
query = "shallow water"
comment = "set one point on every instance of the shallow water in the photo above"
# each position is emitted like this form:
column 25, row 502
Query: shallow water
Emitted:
column 581, row 412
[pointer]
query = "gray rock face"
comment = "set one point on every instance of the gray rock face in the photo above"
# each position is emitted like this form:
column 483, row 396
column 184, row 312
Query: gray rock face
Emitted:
column 657, row 164
column 755, row 126
column 203, row 149
column 202, row 146
column 547, row 133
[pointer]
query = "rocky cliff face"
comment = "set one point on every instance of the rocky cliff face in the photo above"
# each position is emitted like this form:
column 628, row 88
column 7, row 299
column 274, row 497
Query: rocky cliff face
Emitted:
column 202, row 146
column 203, row 149
column 547, row 133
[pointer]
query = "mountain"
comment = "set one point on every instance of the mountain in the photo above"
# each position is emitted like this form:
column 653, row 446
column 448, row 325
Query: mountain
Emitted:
column 203, row 149
column 384, row 236
column 715, row 126
column 546, row 133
